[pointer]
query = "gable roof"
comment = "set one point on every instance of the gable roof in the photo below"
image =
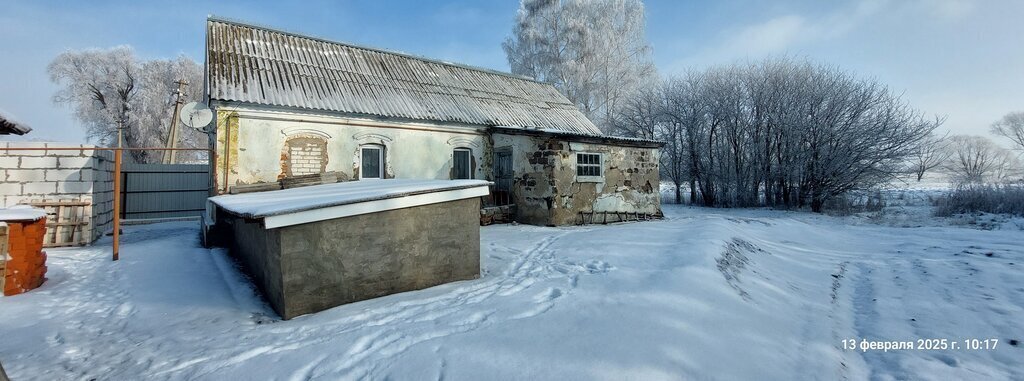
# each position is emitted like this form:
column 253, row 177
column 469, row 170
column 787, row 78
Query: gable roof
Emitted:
column 251, row 64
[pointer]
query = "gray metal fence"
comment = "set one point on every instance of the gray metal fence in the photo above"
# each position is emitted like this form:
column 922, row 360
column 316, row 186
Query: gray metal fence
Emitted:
column 164, row 190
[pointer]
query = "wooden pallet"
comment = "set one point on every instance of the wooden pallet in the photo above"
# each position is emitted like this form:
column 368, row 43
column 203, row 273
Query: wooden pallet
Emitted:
column 67, row 222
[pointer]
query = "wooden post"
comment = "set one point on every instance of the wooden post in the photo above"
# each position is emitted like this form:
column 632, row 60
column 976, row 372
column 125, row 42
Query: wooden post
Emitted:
column 117, row 202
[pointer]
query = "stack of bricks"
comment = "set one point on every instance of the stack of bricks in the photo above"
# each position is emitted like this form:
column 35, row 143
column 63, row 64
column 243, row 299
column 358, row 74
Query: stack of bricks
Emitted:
column 25, row 268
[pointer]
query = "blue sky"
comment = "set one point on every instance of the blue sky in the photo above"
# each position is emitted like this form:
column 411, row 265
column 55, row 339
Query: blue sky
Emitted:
column 963, row 59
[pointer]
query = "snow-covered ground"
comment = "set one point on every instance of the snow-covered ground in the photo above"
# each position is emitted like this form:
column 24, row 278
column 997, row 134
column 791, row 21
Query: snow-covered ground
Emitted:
column 703, row 294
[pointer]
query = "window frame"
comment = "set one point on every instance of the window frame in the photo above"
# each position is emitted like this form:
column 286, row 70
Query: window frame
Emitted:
column 380, row 161
column 469, row 163
column 590, row 178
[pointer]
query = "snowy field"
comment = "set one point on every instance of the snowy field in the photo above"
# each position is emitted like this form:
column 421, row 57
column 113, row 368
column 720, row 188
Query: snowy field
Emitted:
column 704, row 294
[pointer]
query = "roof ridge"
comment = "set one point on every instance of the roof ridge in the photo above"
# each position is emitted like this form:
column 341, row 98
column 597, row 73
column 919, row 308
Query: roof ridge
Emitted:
column 227, row 20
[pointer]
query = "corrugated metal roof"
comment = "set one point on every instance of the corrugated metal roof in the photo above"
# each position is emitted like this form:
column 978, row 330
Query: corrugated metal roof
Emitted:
column 247, row 63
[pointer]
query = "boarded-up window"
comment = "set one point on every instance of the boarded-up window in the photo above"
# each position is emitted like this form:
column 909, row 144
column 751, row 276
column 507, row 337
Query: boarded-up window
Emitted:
column 304, row 156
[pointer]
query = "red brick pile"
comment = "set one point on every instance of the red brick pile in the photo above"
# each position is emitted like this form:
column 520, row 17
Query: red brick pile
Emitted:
column 26, row 263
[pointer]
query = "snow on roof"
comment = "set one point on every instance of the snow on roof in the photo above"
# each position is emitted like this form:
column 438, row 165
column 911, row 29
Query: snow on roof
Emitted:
column 9, row 126
column 258, row 65
column 22, row 213
column 328, row 201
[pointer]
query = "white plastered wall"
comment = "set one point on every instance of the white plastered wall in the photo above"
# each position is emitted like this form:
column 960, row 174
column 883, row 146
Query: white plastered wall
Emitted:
column 412, row 150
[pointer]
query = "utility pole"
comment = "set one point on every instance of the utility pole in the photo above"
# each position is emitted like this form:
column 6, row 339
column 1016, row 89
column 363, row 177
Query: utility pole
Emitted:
column 172, row 131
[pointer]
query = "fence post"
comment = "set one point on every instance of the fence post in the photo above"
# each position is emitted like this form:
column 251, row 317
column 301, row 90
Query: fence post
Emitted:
column 117, row 201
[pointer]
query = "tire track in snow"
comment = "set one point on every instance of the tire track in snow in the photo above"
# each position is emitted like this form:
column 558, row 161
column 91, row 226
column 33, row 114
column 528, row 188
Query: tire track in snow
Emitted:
column 842, row 371
column 865, row 318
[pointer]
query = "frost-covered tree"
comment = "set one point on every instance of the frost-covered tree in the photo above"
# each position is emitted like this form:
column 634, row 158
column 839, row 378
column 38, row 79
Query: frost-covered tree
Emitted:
column 1011, row 126
column 641, row 114
column 594, row 51
column 928, row 155
column 978, row 160
column 108, row 88
column 777, row 132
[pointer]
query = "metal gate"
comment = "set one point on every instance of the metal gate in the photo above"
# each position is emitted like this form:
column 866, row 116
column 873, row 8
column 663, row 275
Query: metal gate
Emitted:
column 164, row 190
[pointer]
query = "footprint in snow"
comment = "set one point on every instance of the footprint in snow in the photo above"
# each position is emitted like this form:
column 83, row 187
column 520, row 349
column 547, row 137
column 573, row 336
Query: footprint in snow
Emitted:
column 548, row 295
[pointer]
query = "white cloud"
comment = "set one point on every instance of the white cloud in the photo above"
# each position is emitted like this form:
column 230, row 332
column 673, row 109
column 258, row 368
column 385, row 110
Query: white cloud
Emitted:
column 771, row 36
column 784, row 34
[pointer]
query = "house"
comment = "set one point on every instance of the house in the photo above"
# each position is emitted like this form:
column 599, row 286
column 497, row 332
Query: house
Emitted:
column 289, row 105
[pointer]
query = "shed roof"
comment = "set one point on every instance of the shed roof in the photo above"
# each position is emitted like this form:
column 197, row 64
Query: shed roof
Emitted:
column 258, row 65
column 9, row 127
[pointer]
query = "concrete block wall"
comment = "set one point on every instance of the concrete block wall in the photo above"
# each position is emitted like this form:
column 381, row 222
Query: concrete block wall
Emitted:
column 83, row 174
column 102, row 192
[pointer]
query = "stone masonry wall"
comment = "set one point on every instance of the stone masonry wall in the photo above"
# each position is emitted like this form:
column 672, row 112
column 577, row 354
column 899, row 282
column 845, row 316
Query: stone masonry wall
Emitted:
column 533, row 163
column 547, row 191
column 629, row 185
column 81, row 175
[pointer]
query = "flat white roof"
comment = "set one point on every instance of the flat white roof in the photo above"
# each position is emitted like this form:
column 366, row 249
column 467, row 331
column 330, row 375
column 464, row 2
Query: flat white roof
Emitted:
column 329, row 201
column 22, row 213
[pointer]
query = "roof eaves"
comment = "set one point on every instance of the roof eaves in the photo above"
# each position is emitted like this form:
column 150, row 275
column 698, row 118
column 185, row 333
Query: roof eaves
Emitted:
column 537, row 131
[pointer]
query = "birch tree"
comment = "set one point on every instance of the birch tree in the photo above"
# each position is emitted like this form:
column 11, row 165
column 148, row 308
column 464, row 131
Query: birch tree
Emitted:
column 595, row 52
column 108, row 88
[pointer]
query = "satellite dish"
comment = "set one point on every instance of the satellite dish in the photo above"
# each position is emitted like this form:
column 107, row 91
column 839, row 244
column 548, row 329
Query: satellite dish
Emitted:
column 196, row 115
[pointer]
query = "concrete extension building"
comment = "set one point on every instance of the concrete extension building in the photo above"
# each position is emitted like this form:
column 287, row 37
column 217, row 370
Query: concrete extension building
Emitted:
column 289, row 105
column 312, row 248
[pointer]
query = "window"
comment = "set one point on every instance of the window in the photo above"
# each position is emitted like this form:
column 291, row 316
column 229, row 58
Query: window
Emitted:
column 588, row 165
column 372, row 162
column 462, row 167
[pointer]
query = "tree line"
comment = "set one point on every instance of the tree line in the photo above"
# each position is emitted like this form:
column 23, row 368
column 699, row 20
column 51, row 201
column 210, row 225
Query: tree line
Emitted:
column 778, row 132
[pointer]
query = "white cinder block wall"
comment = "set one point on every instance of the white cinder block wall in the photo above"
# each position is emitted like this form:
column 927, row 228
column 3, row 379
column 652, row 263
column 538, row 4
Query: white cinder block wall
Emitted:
column 82, row 175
